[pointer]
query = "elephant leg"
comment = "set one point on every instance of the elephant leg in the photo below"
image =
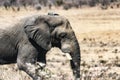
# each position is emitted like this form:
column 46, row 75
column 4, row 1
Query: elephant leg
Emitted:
column 30, row 69
column 41, row 58
column 3, row 61
column 26, row 61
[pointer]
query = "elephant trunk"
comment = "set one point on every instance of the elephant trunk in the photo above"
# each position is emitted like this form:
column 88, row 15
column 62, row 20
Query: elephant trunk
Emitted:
column 72, row 47
column 75, row 62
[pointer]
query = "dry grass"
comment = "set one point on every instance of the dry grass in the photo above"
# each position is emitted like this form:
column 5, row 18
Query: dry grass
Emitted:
column 98, row 34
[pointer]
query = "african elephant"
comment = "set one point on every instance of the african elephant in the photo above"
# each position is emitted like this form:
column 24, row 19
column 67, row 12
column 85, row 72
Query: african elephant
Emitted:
column 28, row 41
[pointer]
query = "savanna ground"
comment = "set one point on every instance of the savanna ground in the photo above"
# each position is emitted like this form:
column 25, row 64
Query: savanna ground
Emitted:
column 98, row 33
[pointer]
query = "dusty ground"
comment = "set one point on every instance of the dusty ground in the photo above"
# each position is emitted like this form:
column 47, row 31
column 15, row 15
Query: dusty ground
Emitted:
column 98, row 33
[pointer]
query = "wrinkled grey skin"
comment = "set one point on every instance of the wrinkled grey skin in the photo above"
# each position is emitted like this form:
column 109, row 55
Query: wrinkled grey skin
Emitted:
column 27, row 43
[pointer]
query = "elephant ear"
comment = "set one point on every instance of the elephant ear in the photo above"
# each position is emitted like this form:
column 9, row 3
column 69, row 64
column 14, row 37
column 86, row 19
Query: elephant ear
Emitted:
column 38, row 33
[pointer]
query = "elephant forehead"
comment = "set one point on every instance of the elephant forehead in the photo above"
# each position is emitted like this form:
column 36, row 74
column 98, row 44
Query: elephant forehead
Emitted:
column 61, row 29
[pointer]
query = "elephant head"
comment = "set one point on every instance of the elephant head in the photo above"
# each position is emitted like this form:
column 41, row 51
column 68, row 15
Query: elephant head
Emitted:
column 64, row 37
column 55, row 31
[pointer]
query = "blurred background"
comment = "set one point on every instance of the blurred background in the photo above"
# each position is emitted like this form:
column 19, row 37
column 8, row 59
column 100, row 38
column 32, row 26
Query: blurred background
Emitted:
column 65, row 4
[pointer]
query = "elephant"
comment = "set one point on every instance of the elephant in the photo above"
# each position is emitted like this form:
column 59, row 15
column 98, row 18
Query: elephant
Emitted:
column 27, row 42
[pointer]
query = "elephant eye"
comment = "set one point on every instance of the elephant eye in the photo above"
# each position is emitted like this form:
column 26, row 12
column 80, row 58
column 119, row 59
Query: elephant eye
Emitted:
column 62, row 35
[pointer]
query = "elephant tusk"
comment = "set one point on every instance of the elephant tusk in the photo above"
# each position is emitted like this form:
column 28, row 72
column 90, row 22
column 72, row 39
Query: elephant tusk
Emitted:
column 42, row 65
column 68, row 56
